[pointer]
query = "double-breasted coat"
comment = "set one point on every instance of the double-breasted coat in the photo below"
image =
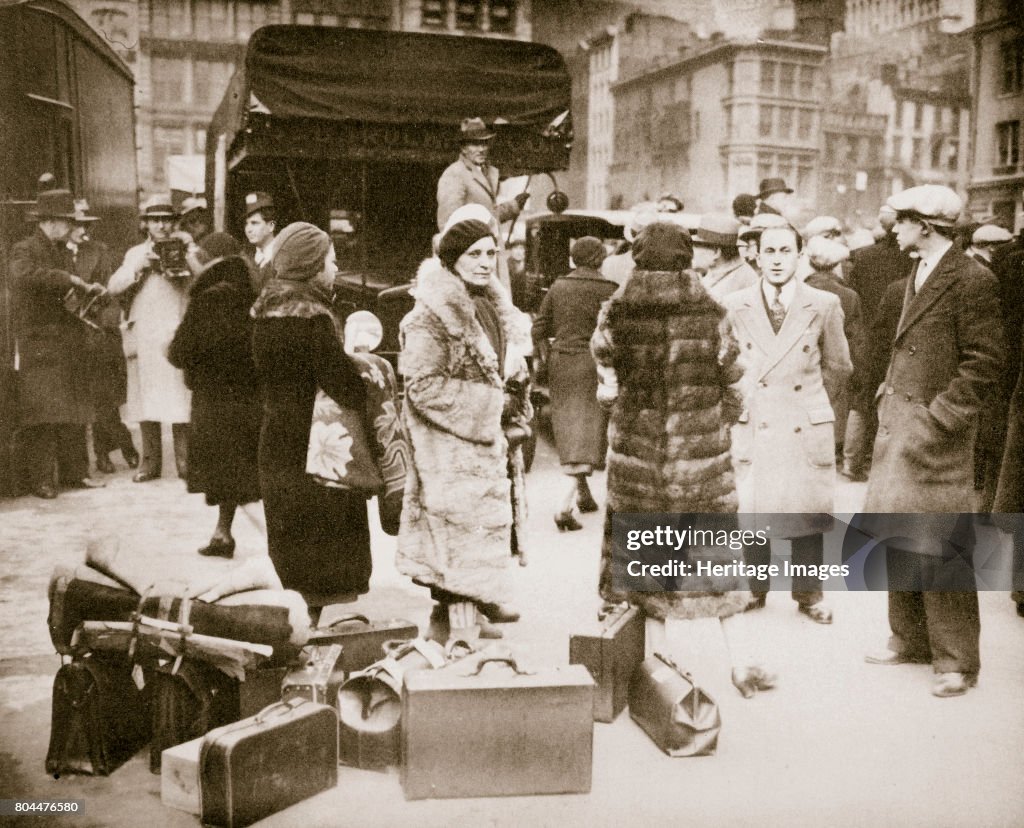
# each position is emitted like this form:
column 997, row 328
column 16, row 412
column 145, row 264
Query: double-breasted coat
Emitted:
column 156, row 389
column 53, row 376
column 947, row 356
column 457, row 519
column 783, row 445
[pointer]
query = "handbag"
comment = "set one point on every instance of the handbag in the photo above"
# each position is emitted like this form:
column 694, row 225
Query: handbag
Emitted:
column 339, row 454
column 681, row 718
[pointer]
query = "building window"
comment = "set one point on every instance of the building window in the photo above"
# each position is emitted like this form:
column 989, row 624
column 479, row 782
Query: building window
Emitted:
column 169, row 18
column 807, row 81
column 1007, row 144
column 764, row 167
column 432, row 13
column 502, row 15
column 787, row 73
column 916, row 154
column 166, row 141
column 767, row 77
column 785, row 122
column 766, row 121
column 953, row 158
column 936, row 159
column 918, row 116
column 168, row 82
column 209, row 82
column 468, row 14
column 1011, row 56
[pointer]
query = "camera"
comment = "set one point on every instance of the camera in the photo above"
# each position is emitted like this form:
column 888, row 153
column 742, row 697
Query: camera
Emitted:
column 172, row 257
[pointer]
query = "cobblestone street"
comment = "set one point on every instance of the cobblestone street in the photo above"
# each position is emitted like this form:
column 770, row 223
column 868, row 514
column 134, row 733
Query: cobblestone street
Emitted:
column 838, row 741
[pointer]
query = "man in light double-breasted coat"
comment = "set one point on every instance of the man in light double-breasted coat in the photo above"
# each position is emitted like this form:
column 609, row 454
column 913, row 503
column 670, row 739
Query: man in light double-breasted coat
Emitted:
column 947, row 356
column 793, row 351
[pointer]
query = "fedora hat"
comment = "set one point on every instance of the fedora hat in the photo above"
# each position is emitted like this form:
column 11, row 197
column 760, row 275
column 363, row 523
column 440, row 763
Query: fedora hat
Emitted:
column 254, row 202
column 82, row 211
column 473, row 130
column 54, row 204
column 157, row 206
column 773, row 185
column 191, row 204
column 717, row 230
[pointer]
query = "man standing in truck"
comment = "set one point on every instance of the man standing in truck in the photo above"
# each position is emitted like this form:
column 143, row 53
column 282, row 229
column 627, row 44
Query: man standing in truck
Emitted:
column 470, row 179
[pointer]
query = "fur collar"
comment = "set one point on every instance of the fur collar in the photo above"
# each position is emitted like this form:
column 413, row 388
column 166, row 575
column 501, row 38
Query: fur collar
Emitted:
column 230, row 270
column 445, row 297
column 666, row 291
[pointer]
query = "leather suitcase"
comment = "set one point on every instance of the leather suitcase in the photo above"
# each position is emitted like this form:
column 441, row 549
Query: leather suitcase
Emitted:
column 479, row 729
column 680, row 717
column 319, row 678
column 611, row 652
column 261, row 688
column 362, row 639
column 259, row 766
column 100, row 716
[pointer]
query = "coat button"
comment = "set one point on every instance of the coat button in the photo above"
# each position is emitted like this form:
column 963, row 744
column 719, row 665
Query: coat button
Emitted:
column 912, row 349
column 807, row 348
column 889, row 390
column 798, row 388
column 908, row 397
column 749, row 345
column 797, row 429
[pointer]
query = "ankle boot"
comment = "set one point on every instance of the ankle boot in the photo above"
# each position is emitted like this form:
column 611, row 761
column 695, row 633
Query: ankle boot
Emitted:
column 180, row 432
column 152, row 452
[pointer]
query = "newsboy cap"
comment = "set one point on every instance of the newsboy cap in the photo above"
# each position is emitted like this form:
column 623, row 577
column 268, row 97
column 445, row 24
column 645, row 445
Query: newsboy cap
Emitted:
column 822, row 226
column 191, row 204
column 991, row 234
column 717, row 230
column 932, row 202
column 254, row 202
column 474, row 130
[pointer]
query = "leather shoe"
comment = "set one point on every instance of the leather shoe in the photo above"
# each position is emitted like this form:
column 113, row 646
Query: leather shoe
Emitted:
column 853, row 476
column 891, row 658
column 749, row 680
column 586, row 503
column 818, row 613
column 131, row 456
column 498, row 613
column 218, row 548
column 85, row 483
column 756, row 603
column 45, row 491
column 145, row 476
column 103, row 464
column 952, row 684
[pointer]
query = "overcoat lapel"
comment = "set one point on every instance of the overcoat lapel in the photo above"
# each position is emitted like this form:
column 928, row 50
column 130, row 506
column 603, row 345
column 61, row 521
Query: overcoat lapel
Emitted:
column 915, row 305
column 484, row 180
column 775, row 346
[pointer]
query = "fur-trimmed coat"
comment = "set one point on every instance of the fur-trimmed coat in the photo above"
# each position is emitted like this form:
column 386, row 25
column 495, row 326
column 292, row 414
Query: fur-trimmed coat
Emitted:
column 675, row 360
column 457, row 516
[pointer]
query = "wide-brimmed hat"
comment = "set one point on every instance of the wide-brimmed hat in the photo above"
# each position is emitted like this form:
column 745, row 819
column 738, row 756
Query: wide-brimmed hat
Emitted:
column 54, row 204
column 82, row 212
column 254, row 202
column 716, row 230
column 772, row 185
column 191, row 204
column 934, row 203
column 474, row 130
column 158, row 206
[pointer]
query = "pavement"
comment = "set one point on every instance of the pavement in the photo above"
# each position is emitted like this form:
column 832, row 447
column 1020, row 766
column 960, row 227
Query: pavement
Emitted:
column 838, row 742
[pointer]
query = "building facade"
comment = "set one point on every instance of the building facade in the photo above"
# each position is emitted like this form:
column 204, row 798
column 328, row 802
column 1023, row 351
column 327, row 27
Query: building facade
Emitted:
column 184, row 52
column 714, row 124
column 997, row 80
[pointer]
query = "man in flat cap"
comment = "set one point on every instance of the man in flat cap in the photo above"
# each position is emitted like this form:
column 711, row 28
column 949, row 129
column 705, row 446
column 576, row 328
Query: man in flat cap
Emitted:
column 261, row 230
column 947, row 356
column 984, row 240
column 54, row 400
column 194, row 218
column 470, row 179
column 154, row 290
column 717, row 257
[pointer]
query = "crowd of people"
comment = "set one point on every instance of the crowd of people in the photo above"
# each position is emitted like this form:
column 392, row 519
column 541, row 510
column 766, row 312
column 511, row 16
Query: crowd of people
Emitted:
column 731, row 370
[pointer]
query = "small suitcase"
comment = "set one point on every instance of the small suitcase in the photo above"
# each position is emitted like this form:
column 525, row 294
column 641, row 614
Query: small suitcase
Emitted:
column 259, row 766
column 476, row 729
column 611, row 652
column 320, row 676
column 680, row 717
column 362, row 639
column 100, row 716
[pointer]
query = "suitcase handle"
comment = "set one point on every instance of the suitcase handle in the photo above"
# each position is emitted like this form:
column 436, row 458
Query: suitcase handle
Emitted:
column 509, row 660
column 354, row 616
column 279, row 708
column 611, row 609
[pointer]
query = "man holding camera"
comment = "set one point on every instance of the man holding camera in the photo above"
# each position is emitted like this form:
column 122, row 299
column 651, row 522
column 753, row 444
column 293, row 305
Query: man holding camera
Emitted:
column 54, row 399
column 153, row 286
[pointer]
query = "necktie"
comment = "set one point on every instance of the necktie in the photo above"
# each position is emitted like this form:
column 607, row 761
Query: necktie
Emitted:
column 776, row 311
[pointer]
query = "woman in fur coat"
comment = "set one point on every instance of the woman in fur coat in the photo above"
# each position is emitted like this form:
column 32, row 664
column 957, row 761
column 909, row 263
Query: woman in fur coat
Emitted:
column 213, row 346
column 666, row 358
column 463, row 370
column 318, row 537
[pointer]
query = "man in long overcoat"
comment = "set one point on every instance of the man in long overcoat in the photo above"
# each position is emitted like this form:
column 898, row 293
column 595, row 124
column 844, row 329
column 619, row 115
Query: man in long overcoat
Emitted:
column 947, row 356
column 53, row 390
column 155, row 296
column 793, row 351
column 470, row 179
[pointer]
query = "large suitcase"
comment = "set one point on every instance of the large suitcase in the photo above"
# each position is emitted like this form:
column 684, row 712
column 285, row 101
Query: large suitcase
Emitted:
column 100, row 716
column 363, row 640
column 480, row 729
column 611, row 652
column 259, row 766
